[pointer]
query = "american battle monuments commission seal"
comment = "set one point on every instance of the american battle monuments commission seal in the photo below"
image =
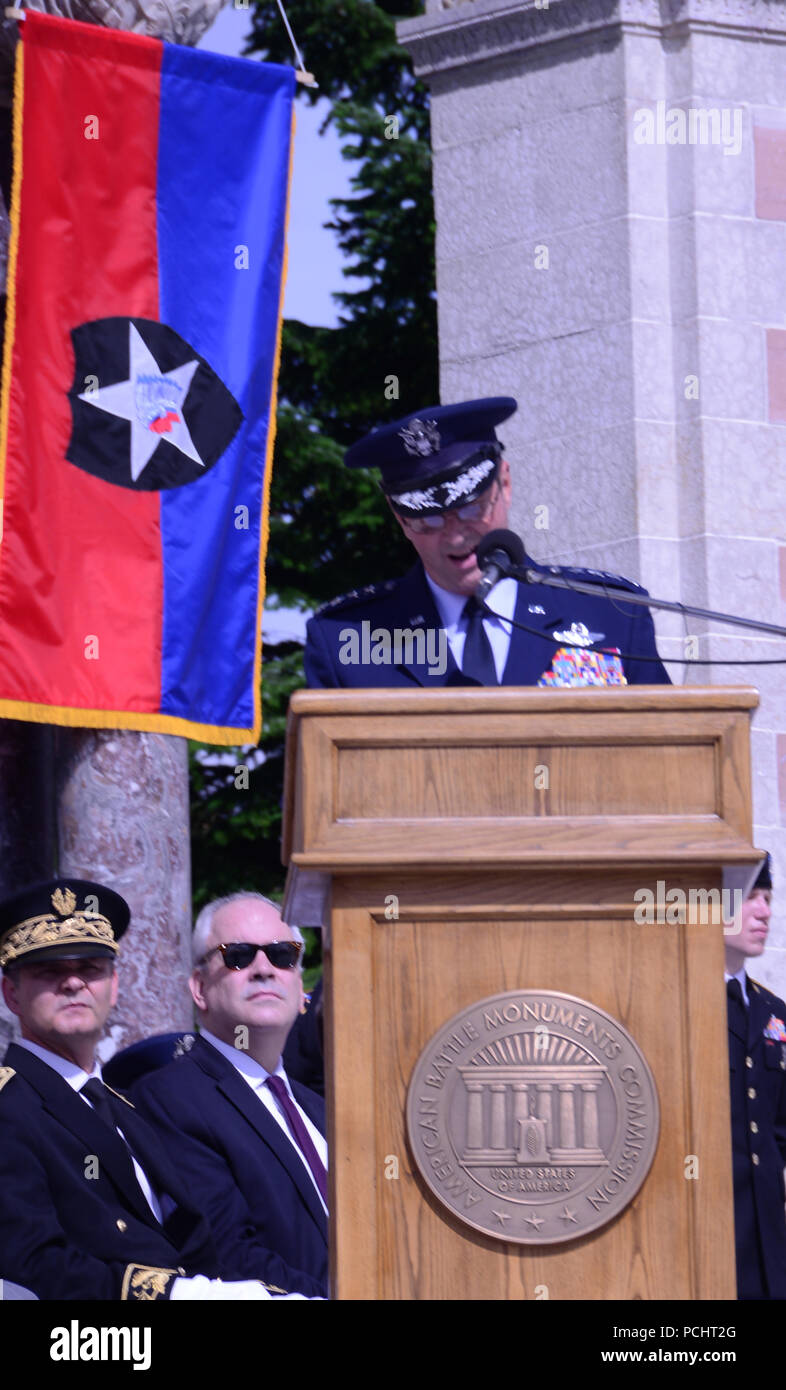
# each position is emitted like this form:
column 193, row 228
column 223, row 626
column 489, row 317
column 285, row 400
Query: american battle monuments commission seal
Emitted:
column 533, row 1116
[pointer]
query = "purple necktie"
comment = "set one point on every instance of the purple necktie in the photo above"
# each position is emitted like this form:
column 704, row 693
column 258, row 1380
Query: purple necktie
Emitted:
column 300, row 1134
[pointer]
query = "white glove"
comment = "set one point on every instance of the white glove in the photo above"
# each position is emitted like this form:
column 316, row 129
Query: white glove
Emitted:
column 200, row 1287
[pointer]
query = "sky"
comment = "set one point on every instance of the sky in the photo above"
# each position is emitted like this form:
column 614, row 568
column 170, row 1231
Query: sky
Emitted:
column 318, row 174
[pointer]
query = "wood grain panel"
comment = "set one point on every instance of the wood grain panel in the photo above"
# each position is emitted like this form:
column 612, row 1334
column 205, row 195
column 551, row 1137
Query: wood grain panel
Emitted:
column 423, row 973
column 506, row 781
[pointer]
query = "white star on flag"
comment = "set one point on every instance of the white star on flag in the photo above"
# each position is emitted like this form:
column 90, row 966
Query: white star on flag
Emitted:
column 141, row 399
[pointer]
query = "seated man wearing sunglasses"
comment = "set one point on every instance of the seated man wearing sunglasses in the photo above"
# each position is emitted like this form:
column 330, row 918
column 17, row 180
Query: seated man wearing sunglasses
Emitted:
column 249, row 1145
column 448, row 485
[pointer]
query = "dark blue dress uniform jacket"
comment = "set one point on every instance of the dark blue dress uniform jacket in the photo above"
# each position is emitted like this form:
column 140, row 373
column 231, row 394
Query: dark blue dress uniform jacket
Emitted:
column 408, row 603
column 240, row 1168
column 758, row 1098
column 74, row 1222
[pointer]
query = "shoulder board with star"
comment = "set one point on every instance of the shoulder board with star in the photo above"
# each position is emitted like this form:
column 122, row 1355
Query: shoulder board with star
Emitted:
column 5, row 1076
column 370, row 591
column 614, row 581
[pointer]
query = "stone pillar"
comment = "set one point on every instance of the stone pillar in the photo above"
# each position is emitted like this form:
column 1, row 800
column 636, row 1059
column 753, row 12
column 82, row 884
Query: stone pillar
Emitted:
column 589, row 1117
column 499, row 1138
column 610, row 201
column 567, row 1116
column 475, row 1115
column 545, row 1089
column 123, row 820
column 27, row 822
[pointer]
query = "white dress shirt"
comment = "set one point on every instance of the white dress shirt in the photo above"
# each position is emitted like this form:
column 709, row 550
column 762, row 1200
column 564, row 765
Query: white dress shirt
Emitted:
column 254, row 1074
column 76, row 1079
column 450, row 607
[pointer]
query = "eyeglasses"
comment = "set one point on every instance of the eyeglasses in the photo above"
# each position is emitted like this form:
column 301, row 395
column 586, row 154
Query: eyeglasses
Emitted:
column 479, row 510
column 236, row 955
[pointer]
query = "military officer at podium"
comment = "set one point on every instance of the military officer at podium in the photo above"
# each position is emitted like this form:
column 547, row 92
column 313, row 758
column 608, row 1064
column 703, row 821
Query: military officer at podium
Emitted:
column 90, row 1206
column 757, row 1061
column 447, row 485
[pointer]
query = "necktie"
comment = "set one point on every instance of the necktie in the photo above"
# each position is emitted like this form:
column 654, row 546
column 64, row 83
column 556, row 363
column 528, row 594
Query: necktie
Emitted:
column 738, row 1014
column 98, row 1096
column 300, row 1134
column 478, row 658
column 101, row 1101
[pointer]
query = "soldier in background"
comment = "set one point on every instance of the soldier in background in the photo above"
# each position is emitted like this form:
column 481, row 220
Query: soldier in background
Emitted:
column 757, row 1061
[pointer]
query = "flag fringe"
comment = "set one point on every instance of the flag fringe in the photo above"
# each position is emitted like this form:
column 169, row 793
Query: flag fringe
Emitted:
column 150, row 723
column 271, row 439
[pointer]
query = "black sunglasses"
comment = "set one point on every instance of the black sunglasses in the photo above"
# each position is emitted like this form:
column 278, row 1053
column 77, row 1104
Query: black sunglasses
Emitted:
column 236, row 955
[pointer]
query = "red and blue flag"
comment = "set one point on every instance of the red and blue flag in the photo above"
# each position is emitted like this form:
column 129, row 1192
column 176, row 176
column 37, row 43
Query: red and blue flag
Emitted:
column 145, row 288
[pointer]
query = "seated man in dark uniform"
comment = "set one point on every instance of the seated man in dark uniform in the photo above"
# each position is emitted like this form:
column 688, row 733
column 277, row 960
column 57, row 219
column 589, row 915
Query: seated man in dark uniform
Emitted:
column 757, row 1060
column 448, row 485
column 90, row 1206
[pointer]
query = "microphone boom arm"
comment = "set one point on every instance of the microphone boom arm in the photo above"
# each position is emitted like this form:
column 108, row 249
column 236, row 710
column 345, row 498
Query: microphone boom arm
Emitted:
column 578, row 586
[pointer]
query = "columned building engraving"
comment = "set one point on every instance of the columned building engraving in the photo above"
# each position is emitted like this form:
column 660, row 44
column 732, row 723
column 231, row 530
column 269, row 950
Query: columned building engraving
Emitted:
column 509, row 1116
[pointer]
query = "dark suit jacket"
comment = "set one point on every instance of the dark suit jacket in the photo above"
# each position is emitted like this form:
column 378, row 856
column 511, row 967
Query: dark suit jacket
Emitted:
column 240, row 1167
column 408, row 603
column 758, row 1065
column 74, row 1222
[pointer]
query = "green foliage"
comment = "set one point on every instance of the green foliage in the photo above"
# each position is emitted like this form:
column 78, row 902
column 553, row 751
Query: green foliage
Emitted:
column 330, row 529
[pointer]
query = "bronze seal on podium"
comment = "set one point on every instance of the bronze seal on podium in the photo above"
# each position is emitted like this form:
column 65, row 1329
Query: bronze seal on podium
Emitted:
column 533, row 1116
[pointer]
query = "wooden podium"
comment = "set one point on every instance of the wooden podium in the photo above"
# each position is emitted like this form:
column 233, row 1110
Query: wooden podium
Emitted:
column 464, row 843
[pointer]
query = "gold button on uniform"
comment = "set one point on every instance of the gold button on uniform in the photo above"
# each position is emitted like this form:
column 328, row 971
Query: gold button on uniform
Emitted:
column 122, row 1225
column 751, row 1093
column 754, row 1127
column 749, row 1061
column 754, row 1158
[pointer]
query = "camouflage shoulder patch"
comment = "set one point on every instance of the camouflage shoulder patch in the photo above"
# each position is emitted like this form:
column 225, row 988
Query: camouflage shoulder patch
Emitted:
column 369, row 593
column 5, row 1076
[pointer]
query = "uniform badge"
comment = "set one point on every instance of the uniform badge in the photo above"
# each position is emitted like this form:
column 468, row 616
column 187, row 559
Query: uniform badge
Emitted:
column 536, row 608
column 421, row 437
column 571, row 667
column 578, row 635
column 775, row 1029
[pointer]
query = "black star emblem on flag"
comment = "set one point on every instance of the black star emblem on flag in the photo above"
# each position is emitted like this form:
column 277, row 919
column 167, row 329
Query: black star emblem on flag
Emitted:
column 147, row 411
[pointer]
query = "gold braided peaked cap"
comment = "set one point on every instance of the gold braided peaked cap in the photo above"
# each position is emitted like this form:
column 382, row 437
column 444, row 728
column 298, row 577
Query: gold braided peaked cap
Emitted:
column 60, row 918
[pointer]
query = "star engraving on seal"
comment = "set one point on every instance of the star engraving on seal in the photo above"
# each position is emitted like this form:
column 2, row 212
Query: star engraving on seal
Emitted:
column 535, row 1221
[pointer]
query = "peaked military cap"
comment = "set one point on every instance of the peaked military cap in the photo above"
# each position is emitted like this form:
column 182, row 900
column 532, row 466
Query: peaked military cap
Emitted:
column 61, row 918
column 441, row 457
column 764, row 877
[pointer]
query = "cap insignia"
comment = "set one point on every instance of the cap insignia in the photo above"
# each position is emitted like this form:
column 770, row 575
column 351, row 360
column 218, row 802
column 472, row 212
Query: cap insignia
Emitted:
column 64, row 901
column 421, row 437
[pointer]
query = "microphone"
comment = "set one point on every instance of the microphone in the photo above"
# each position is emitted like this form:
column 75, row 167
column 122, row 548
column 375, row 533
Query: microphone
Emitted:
column 497, row 554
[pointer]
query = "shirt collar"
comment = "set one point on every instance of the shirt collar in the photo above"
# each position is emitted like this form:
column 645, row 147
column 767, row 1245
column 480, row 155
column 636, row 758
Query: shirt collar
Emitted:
column 450, row 607
column 243, row 1062
column 69, row 1071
